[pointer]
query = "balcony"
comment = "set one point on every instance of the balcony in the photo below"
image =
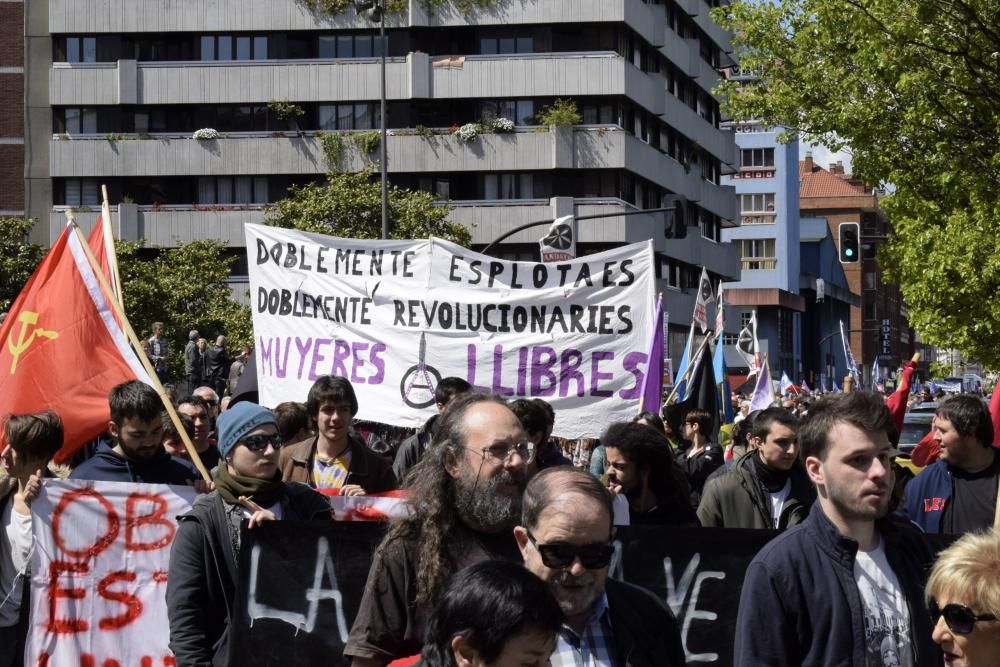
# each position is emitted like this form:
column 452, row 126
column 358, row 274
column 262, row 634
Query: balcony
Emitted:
column 168, row 226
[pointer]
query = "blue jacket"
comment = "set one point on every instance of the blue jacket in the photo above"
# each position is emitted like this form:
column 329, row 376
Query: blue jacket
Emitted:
column 926, row 496
column 800, row 603
column 108, row 466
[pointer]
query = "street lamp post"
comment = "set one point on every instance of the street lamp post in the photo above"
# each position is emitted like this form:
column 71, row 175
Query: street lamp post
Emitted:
column 375, row 11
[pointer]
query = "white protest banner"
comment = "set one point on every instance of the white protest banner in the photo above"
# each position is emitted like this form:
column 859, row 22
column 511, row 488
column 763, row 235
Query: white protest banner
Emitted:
column 394, row 317
column 99, row 573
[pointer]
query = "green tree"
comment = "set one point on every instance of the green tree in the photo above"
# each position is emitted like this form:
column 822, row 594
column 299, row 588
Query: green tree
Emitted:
column 18, row 258
column 185, row 288
column 913, row 89
column 350, row 206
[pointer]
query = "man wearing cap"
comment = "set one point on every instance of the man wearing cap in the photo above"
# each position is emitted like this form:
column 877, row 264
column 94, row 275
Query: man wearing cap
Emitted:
column 201, row 587
column 565, row 540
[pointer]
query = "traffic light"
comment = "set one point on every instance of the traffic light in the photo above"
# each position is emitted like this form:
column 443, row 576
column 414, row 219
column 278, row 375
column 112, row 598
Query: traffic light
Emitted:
column 850, row 242
column 676, row 223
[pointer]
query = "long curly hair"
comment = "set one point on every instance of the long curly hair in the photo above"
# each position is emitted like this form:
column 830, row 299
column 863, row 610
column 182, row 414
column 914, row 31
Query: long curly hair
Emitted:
column 434, row 526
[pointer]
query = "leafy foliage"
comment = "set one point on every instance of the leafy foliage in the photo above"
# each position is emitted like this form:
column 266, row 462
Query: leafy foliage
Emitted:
column 334, row 7
column 913, row 88
column 18, row 258
column 560, row 113
column 286, row 110
column 185, row 288
column 368, row 142
column 350, row 206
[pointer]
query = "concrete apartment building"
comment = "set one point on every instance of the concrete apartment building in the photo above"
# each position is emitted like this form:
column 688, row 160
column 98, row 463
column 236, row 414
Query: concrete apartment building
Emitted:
column 879, row 323
column 791, row 272
column 118, row 87
column 11, row 108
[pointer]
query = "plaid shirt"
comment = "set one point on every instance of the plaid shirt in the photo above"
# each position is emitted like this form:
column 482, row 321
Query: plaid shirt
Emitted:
column 593, row 648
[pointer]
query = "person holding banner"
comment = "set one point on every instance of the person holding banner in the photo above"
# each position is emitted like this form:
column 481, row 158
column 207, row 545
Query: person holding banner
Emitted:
column 845, row 587
column 30, row 442
column 335, row 458
column 201, row 587
column 137, row 455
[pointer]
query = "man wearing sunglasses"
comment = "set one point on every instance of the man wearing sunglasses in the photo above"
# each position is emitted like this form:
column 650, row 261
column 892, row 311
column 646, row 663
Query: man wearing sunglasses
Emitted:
column 201, row 587
column 565, row 539
column 844, row 587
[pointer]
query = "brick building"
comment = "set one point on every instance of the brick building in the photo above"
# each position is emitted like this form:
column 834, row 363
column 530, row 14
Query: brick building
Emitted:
column 11, row 108
column 835, row 196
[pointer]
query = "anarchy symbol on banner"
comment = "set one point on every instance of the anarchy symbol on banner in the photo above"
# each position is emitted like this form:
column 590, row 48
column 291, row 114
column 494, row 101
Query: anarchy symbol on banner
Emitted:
column 706, row 291
column 419, row 381
column 560, row 238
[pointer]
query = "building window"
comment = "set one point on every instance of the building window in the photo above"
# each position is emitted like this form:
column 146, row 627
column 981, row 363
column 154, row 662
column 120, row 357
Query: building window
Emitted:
column 439, row 187
column 360, row 116
column 221, row 47
column 869, row 311
column 81, row 192
column 521, row 112
column 80, row 120
column 505, row 43
column 599, row 114
column 349, row 46
column 758, row 254
column 871, row 280
column 757, row 203
column 757, row 157
column 745, row 317
column 232, row 190
column 508, row 186
column 81, row 49
column 710, row 226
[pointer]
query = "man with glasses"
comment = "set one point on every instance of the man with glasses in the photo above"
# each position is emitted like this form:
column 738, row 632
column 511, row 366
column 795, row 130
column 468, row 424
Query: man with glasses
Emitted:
column 565, row 539
column 201, row 586
column 466, row 499
column 845, row 587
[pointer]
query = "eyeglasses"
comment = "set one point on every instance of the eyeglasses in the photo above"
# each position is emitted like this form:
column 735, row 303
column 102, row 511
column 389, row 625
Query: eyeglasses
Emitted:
column 503, row 453
column 960, row 619
column 258, row 443
column 560, row 555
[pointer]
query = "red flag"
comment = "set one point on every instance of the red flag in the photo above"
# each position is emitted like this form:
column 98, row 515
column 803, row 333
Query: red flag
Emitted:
column 97, row 242
column 61, row 347
column 897, row 400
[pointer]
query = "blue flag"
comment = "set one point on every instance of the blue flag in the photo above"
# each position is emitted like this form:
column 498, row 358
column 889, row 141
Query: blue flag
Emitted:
column 722, row 378
column 680, row 384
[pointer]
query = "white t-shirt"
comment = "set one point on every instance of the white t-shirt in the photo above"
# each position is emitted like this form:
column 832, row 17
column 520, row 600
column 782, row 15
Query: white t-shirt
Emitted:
column 887, row 619
column 15, row 531
column 778, row 499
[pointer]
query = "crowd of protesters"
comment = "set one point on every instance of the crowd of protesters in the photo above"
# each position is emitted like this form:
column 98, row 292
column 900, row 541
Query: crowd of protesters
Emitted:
column 503, row 558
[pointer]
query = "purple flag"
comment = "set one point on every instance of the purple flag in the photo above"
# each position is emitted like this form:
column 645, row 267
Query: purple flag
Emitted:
column 652, row 388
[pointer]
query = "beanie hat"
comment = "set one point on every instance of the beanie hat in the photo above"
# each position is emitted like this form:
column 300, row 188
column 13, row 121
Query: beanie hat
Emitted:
column 239, row 420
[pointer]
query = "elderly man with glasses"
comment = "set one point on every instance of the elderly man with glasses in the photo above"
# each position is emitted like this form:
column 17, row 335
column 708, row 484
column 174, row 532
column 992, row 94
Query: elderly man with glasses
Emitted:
column 565, row 539
column 466, row 499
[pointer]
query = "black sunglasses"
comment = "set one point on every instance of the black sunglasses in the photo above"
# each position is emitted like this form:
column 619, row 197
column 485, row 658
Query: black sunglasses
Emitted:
column 960, row 619
column 560, row 555
column 258, row 443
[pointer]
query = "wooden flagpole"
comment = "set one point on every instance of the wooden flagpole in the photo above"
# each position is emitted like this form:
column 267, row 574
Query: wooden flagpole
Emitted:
column 137, row 346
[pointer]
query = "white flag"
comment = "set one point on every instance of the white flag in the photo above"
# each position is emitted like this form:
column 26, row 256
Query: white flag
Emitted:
column 720, row 313
column 705, row 296
column 559, row 245
column 748, row 346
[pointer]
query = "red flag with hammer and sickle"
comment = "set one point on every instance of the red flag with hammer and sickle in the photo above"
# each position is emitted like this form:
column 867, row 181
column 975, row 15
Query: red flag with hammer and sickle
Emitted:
column 62, row 349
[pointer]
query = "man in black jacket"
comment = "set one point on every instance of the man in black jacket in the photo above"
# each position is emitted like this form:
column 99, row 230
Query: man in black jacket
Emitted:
column 845, row 587
column 565, row 539
column 413, row 448
column 201, row 587
column 136, row 453
column 768, row 487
